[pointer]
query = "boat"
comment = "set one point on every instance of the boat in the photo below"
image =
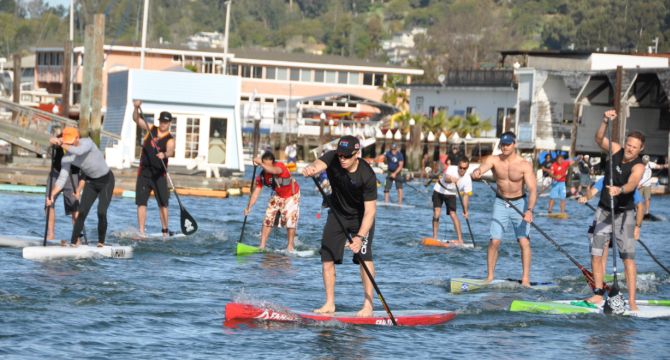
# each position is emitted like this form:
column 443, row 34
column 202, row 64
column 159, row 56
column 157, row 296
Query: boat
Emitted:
column 445, row 243
column 21, row 241
column 78, row 252
column 245, row 249
column 647, row 308
column 461, row 285
column 250, row 312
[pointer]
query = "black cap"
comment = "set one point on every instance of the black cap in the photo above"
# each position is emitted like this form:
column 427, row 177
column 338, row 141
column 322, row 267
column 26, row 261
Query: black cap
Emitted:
column 507, row 138
column 348, row 145
column 165, row 116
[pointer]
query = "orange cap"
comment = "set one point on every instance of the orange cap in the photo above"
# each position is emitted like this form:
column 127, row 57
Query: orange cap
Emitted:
column 70, row 135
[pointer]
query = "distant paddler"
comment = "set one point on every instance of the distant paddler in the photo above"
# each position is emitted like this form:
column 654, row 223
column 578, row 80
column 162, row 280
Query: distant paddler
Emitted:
column 454, row 179
column 284, row 202
column 511, row 173
column 559, row 173
column 157, row 147
column 98, row 178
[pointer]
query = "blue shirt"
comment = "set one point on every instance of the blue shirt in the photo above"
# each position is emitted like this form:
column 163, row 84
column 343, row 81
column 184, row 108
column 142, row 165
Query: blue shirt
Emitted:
column 393, row 161
column 637, row 197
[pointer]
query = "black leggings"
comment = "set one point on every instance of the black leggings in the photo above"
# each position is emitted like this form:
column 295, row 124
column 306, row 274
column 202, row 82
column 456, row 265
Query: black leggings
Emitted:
column 101, row 189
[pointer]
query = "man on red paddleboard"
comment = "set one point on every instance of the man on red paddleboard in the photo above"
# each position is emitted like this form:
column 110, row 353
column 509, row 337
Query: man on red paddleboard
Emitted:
column 511, row 172
column 354, row 200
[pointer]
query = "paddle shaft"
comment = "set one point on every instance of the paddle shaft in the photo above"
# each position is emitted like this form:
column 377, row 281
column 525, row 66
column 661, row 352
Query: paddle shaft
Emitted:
column 255, row 141
column 49, row 185
column 358, row 256
column 467, row 221
column 615, row 284
column 587, row 274
column 183, row 213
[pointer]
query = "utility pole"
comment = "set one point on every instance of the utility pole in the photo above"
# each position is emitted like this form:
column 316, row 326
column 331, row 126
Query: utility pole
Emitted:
column 616, row 136
column 67, row 81
column 225, row 38
column 91, row 88
column 144, row 32
column 16, row 85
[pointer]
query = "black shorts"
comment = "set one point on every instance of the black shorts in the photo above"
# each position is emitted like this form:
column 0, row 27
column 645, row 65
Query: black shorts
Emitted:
column 145, row 184
column 439, row 199
column 332, row 244
column 70, row 203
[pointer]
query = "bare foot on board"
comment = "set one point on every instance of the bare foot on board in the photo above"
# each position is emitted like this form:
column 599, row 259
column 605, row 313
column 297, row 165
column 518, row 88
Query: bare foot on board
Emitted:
column 364, row 312
column 325, row 309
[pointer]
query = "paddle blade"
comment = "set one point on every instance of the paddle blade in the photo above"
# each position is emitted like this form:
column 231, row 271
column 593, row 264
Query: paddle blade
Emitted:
column 244, row 249
column 615, row 303
column 188, row 224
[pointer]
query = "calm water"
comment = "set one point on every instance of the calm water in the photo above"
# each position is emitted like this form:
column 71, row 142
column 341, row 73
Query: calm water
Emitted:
column 168, row 301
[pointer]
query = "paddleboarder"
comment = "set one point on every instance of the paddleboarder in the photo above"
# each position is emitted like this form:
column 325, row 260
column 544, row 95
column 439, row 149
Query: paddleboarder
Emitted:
column 455, row 178
column 285, row 199
column 151, row 175
column 559, row 173
column 354, row 202
column 511, row 173
column 99, row 180
column 395, row 161
column 628, row 170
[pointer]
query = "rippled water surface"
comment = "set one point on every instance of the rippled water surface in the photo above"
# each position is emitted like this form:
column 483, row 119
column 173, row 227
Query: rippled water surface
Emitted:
column 168, row 301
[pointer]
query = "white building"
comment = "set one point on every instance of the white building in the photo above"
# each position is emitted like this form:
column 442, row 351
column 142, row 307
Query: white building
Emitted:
column 400, row 48
column 553, row 87
column 207, row 129
column 488, row 93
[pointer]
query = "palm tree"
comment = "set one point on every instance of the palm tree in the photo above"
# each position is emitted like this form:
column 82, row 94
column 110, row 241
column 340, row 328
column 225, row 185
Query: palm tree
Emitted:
column 471, row 124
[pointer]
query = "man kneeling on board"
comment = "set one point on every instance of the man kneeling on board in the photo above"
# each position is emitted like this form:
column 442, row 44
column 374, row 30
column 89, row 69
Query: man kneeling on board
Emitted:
column 454, row 179
column 354, row 202
column 284, row 202
column 99, row 180
column 627, row 174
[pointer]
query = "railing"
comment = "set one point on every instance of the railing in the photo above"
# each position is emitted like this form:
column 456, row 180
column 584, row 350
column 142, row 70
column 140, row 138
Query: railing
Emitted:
column 29, row 128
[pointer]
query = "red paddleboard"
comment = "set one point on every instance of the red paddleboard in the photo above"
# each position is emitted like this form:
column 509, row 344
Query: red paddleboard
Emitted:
column 239, row 311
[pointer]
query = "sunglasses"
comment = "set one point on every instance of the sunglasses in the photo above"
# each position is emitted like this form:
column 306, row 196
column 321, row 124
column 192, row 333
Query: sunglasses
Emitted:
column 346, row 156
column 462, row 168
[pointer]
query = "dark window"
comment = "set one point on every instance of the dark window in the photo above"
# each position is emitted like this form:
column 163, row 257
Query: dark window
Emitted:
column 246, row 71
column 233, row 69
column 379, row 79
column 367, row 79
column 431, row 111
column 470, row 110
column 500, row 121
column 318, row 76
column 342, row 77
column 258, row 72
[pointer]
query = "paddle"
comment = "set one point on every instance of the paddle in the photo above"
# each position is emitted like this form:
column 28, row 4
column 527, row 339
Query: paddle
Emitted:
column 467, row 221
column 83, row 229
column 358, row 256
column 186, row 221
column 587, row 274
column 255, row 140
column 641, row 243
column 49, row 184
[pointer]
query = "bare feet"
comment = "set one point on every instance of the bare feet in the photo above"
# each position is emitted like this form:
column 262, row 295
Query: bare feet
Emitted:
column 488, row 280
column 525, row 284
column 456, row 243
column 63, row 243
column 101, row 245
column 325, row 309
column 76, row 244
column 364, row 312
column 633, row 306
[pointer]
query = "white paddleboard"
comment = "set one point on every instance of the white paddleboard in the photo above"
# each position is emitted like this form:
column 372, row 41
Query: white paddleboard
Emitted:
column 79, row 252
column 21, row 241
column 394, row 205
column 296, row 253
column 135, row 236
column 461, row 285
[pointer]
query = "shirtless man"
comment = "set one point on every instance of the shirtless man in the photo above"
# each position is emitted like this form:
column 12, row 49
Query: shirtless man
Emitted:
column 354, row 202
column 511, row 172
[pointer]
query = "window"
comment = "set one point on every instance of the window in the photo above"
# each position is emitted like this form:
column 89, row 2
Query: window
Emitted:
column 470, row 110
column 270, row 72
column 367, row 79
column 331, row 76
column 218, row 129
column 568, row 109
column 192, row 137
column 500, row 121
column 306, row 75
column 318, row 76
column 431, row 111
column 354, row 78
column 257, row 72
column 233, row 69
column 282, row 74
column 295, row 74
column 246, row 71
column 342, row 77
column 418, row 107
column 379, row 80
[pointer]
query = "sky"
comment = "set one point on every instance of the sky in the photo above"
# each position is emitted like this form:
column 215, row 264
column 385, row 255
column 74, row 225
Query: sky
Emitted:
column 65, row 3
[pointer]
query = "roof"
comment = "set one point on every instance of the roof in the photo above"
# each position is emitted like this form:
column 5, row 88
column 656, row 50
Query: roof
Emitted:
column 487, row 78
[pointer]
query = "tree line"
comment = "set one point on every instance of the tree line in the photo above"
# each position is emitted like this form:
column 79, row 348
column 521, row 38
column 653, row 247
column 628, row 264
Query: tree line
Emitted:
column 460, row 33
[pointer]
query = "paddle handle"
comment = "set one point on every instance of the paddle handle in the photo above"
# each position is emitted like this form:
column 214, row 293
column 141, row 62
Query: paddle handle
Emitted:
column 358, row 256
